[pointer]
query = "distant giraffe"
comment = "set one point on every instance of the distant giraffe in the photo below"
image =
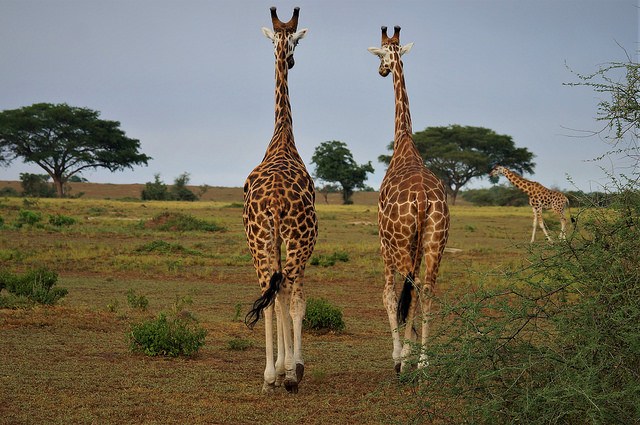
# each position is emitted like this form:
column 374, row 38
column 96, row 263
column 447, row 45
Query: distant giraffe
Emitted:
column 413, row 215
column 539, row 198
column 279, row 199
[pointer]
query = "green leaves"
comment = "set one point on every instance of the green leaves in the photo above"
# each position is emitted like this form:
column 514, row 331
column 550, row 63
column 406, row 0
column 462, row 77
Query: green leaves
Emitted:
column 64, row 140
column 334, row 163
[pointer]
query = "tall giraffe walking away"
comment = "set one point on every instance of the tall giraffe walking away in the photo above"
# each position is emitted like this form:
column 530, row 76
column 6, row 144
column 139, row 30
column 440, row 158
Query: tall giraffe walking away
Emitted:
column 413, row 216
column 279, row 198
column 539, row 198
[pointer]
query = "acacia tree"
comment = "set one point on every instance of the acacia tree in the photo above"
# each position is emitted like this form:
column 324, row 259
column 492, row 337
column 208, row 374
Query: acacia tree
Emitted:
column 334, row 163
column 457, row 154
column 65, row 140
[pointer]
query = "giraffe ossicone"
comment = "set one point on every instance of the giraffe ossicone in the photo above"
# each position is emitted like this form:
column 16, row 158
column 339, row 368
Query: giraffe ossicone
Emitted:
column 539, row 198
column 413, row 217
column 279, row 210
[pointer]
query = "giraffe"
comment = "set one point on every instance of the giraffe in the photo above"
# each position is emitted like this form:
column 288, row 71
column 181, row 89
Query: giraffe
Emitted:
column 539, row 198
column 279, row 198
column 413, row 216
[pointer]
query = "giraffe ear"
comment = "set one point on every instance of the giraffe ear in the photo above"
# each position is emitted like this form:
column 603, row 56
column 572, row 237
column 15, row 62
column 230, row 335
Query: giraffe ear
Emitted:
column 377, row 51
column 268, row 33
column 299, row 35
column 405, row 49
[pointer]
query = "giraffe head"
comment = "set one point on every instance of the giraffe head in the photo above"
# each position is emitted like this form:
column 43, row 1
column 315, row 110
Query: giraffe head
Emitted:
column 496, row 171
column 285, row 36
column 390, row 50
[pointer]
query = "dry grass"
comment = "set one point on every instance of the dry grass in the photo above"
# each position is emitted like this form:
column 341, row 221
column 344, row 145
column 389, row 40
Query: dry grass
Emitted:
column 71, row 363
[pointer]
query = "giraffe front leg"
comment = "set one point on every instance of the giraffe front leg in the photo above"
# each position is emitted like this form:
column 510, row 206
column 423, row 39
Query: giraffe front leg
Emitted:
column 409, row 330
column 280, row 354
column 270, row 369
column 535, row 224
column 290, row 382
column 425, row 304
column 390, row 302
column 298, row 309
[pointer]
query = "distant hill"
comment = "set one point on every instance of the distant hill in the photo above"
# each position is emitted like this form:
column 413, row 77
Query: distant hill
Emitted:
column 223, row 194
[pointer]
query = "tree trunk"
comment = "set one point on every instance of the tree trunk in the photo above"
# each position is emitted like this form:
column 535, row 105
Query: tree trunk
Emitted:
column 59, row 185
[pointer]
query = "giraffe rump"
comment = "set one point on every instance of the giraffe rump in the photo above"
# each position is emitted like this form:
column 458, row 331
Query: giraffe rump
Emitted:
column 267, row 298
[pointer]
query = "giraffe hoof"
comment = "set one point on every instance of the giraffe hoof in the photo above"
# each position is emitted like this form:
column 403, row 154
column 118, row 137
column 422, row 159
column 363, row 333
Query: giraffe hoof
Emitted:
column 397, row 368
column 291, row 386
column 299, row 371
column 268, row 388
column 279, row 380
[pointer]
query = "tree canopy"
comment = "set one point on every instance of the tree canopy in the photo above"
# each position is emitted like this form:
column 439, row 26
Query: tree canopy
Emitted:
column 334, row 163
column 457, row 154
column 65, row 140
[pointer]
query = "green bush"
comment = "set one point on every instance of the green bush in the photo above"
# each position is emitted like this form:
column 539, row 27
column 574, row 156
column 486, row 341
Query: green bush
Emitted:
column 169, row 221
column 156, row 190
column 60, row 220
column 162, row 247
column 239, row 344
column 329, row 260
column 36, row 286
column 28, row 217
column 139, row 302
column 322, row 316
column 167, row 337
column 559, row 342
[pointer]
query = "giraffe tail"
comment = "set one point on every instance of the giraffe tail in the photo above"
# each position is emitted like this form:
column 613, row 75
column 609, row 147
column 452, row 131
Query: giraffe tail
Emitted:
column 264, row 301
column 404, row 302
column 269, row 295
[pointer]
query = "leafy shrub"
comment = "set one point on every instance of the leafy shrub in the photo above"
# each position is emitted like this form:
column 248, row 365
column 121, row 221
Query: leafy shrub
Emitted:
column 61, row 220
column 167, row 337
column 329, row 260
column 36, row 286
column 162, row 247
column 239, row 344
column 156, row 190
column 9, row 192
column 558, row 343
column 139, row 302
column 169, row 221
column 37, row 185
column 321, row 315
column 28, row 217
column 499, row 195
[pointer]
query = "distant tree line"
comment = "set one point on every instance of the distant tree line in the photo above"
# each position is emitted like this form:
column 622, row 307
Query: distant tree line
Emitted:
column 159, row 191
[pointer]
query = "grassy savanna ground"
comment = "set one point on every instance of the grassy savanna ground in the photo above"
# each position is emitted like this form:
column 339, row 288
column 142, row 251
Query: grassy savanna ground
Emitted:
column 72, row 364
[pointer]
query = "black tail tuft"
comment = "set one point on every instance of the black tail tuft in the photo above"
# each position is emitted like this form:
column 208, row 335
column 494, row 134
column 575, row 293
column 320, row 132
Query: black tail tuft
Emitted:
column 404, row 302
column 264, row 301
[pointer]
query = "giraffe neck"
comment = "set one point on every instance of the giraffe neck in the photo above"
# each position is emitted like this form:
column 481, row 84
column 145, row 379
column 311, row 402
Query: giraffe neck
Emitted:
column 403, row 146
column 518, row 181
column 283, row 133
column 403, row 116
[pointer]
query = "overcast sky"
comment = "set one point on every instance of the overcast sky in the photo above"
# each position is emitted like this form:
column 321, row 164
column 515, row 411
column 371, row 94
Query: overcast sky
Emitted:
column 193, row 80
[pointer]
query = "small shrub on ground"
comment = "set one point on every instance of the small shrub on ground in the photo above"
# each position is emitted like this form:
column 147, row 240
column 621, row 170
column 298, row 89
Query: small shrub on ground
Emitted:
column 28, row 217
column 169, row 221
column 34, row 286
column 162, row 247
column 164, row 336
column 60, row 220
column 239, row 344
column 139, row 302
column 329, row 260
column 322, row 316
